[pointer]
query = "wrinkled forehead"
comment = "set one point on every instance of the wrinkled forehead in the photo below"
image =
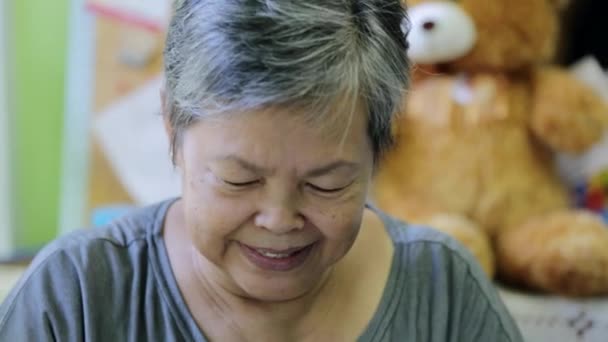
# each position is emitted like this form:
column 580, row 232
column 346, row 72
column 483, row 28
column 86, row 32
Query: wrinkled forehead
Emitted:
column 341, row 120
column 277, row 131
column 332, row 118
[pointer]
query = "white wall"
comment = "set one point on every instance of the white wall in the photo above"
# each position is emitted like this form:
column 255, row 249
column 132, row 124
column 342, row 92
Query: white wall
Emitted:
column 78, row 111
column 6, row 222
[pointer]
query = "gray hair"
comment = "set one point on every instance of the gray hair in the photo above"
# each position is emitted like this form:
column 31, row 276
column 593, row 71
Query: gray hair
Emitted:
column 225, row 56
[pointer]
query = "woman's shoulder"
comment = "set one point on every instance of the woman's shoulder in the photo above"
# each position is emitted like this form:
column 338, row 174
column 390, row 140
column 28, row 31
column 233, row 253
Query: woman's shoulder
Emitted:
column 99, row 279
column 94, row 250
column 427, row 255
column 435, row 279
column 124, row 232
column 407, row 235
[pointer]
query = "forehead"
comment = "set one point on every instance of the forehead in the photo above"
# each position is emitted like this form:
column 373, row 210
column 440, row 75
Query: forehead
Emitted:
column 329, row 120
column 340, row 120
column 282, row 131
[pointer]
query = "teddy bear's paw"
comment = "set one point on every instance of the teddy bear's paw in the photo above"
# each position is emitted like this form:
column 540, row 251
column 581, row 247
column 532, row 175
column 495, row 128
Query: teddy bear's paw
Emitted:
column 571, row 132
column 567, row 115
column 564, row 253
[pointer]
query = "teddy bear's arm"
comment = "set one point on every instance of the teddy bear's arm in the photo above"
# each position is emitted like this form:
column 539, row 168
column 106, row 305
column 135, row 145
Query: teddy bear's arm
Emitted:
column 566, row 114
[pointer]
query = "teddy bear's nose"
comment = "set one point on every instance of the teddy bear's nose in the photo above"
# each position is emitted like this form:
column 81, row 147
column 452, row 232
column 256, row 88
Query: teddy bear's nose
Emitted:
column 428, row 25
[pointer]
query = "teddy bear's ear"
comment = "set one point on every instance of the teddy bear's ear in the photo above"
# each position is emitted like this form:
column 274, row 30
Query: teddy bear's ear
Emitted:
column 561, row 4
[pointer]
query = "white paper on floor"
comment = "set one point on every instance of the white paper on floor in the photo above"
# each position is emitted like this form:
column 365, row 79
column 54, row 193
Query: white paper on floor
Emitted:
column 132, row 136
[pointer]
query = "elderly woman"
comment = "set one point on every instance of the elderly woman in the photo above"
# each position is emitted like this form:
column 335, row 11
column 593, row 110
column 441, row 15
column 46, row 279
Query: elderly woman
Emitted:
column 278, row 112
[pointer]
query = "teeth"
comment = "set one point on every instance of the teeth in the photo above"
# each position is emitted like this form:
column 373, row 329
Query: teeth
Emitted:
column 273, row 255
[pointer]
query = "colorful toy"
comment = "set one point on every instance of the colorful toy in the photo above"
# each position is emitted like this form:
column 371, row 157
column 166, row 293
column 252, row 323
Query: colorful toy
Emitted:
column 593, row 194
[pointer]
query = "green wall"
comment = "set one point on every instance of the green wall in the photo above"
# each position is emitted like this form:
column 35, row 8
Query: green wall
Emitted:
column 39, row 41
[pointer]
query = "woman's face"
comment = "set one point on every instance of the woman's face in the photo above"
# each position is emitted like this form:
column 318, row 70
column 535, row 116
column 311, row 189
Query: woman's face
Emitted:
column 271, row 202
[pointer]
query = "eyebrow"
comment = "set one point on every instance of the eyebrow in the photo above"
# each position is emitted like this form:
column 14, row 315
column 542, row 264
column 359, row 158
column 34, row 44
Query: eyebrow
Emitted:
column 338, row 164
column 322, row 170
column 243, row 163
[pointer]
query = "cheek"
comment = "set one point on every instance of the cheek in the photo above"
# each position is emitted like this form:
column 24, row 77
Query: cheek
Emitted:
column 341, row 220
column 211, row 219
column 339, row 229
column 339, row 224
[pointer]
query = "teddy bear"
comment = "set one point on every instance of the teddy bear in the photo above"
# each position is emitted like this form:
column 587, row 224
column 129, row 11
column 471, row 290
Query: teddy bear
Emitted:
column 477, row 137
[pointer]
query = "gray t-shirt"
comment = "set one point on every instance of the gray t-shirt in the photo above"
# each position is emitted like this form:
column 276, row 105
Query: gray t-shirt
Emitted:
column 116, row 284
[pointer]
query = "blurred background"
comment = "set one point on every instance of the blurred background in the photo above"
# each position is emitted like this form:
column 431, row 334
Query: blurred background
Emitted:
column 63, row 65
column 81, row 139
column 69, row 69
column 80, row 135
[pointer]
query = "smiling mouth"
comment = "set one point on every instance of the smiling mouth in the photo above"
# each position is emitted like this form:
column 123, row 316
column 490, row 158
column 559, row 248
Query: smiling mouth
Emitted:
column 277, row 260
column 273, row 253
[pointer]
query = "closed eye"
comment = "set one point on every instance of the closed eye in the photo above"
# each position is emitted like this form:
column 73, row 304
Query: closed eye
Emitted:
column 327, row 190
column 240, row 184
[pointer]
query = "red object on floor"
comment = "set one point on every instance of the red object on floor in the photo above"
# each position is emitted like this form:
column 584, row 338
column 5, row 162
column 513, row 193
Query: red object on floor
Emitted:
column 595, row 200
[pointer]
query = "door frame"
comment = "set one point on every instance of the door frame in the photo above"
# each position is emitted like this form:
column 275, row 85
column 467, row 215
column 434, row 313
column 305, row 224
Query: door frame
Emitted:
column 76, row 147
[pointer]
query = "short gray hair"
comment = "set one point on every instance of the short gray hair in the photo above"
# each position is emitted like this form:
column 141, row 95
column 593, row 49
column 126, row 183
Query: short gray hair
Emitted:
column 236, row 55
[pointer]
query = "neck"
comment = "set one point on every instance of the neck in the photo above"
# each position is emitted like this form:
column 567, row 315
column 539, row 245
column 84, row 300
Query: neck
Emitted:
column 292, row 319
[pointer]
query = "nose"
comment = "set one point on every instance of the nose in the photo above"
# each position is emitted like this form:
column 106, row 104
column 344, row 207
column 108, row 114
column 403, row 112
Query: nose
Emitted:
column 279, row 219
column 428, row 25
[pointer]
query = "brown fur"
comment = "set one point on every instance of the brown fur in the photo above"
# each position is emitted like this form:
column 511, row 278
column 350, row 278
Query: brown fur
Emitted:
column 491, row 160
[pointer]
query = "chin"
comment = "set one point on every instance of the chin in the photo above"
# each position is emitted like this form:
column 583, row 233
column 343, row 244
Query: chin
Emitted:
column 273, row 286
column 270, row 289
